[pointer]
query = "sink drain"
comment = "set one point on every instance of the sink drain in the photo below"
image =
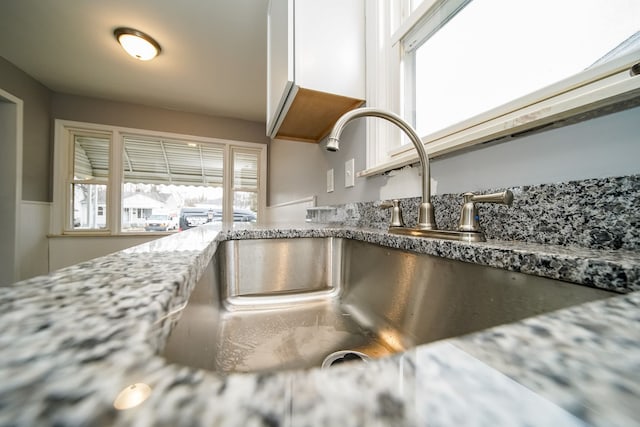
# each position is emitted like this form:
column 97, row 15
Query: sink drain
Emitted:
column 344, row 356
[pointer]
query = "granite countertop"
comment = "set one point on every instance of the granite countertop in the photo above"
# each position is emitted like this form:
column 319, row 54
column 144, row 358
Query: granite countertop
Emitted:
column 72, row 340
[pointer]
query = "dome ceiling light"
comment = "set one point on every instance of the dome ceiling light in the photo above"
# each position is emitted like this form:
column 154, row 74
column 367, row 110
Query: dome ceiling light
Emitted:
column 137, row 44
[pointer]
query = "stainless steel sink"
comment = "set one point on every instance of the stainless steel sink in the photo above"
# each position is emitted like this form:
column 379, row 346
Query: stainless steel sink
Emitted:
column 289, row 303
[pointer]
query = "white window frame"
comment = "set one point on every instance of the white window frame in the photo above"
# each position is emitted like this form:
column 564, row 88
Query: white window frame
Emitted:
column 592, row 89
column 63, row 166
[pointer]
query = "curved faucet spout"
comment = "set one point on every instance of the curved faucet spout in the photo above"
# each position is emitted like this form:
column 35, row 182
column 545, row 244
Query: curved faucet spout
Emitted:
column 426, row 218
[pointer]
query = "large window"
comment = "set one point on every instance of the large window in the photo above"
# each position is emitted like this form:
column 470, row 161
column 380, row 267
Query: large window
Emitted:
column 491, row 52
column 123, row 181
column 469, row 71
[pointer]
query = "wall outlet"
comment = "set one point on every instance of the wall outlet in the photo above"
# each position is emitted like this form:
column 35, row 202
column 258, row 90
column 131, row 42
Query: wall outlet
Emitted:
column 330, row 181
column 349, row 173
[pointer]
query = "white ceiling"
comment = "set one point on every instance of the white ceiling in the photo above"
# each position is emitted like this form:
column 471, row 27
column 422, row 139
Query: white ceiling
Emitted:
column 213, row 58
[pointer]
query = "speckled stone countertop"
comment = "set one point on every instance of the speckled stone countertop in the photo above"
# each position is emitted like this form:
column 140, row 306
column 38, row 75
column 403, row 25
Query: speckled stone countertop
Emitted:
column 72, row 340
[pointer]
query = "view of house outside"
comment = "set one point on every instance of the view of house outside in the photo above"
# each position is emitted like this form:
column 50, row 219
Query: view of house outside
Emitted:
column 153, row 207
column 89, row 206
column 142, row 201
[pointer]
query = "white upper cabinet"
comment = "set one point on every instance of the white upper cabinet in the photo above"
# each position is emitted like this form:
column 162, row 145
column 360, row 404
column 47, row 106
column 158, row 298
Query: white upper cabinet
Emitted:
column 315, row 65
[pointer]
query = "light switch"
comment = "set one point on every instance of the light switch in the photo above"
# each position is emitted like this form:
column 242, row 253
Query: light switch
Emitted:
column 330, row 181
column 349, row 173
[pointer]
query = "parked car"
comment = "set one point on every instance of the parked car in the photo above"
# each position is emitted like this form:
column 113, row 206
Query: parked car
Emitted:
column 193, row 217
column 159, row 222
column 244, row 216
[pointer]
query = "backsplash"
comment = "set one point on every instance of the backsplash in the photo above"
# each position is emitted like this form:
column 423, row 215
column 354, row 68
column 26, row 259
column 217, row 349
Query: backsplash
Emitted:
column 594, row 213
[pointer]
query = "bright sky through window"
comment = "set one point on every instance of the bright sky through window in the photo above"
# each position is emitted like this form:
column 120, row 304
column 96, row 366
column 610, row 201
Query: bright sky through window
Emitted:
column 494, row 51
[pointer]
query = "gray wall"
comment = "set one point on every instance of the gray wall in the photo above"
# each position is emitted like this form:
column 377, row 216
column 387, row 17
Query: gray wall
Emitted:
column 294, row 170
column 36, row 170
column 298, row 170
column 8, row 196
column 93, row 110
column 605, row 146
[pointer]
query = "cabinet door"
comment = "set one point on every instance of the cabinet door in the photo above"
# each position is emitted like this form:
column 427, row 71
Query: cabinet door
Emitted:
column 330, row 46
column 280, row 65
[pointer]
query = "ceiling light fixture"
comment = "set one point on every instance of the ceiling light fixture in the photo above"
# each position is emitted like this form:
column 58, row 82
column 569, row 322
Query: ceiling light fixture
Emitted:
column 137, row 44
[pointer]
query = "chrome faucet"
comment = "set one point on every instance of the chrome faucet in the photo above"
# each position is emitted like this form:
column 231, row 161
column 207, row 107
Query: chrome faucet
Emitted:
column 426, row 217
column 468, row 228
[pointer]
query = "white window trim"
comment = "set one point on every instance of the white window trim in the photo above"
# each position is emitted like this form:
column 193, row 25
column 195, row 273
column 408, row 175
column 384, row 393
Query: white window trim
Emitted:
column 382, row 66
column 60, row 219
column 230, row 182
column 595, row 88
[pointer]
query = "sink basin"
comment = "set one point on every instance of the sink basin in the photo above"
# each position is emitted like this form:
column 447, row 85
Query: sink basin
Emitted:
column 290, row 303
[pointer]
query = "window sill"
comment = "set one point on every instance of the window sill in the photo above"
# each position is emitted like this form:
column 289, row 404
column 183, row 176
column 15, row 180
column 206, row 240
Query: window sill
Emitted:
column 612, row 93
column 84, row 234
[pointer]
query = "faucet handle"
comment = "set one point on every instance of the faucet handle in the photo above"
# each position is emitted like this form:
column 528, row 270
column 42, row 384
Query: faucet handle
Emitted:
column 469, row 217
column 503, row 197
column 396, row 212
